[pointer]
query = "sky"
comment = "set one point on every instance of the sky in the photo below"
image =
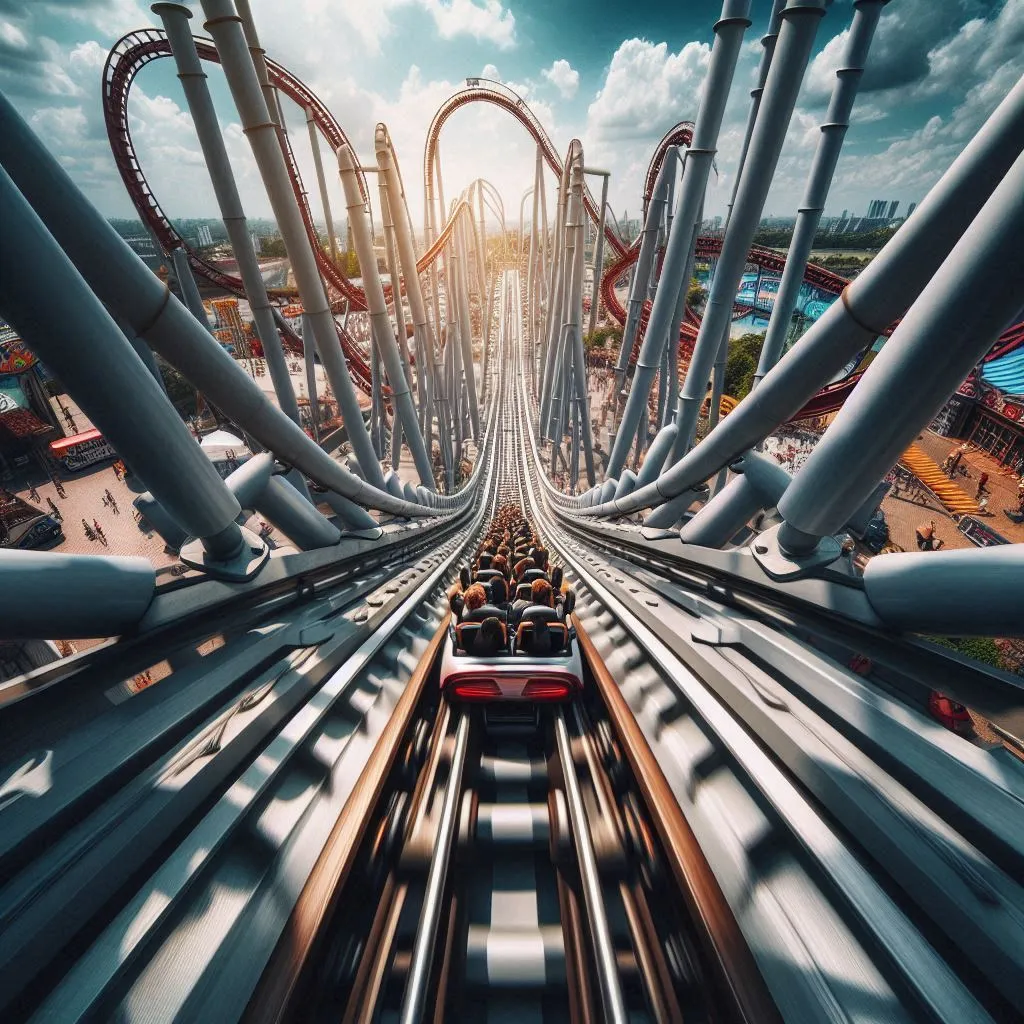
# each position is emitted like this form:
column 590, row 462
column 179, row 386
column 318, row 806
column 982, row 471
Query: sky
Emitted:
column 615, row 75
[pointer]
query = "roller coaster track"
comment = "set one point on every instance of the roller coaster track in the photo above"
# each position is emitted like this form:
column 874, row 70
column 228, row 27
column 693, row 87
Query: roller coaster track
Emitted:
column 131, row 53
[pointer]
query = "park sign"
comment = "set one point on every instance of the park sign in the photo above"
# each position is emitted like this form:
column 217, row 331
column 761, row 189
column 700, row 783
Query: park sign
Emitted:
column 81, row 450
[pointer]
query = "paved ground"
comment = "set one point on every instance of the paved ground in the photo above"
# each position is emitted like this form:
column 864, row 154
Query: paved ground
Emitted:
column 1002, row 485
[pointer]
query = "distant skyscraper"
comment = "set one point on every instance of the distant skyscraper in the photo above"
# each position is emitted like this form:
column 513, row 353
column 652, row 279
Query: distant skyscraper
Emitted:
column 893, row 207
column 911, row 208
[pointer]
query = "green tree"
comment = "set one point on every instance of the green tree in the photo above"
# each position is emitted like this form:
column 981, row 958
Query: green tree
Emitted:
column 741, row 364
column 695, row 294
column 600, row 338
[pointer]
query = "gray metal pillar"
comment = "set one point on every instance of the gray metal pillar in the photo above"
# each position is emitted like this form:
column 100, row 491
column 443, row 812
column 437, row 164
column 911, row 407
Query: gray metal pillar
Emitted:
column 486, row 310
column 826, row 156
column 54, row 595
column 428, row 356
column 41, row 293
column 729, row 32
column 642, row 270
column 189, row 289
column 309, row 359
column 325, row 200
column 768, row 41
column 200, row 104
column 391, row 255
column 960, row 593
column 401, row 393
column 226, row 29
column 912, row 377
column 556, row 291
column 254, row 486
column 880, row 294
column 595, row 291
column 761, row 484
column 466, row 323
column 259, row 62
column 575, row 316
column 800, row 22
column 126, row 285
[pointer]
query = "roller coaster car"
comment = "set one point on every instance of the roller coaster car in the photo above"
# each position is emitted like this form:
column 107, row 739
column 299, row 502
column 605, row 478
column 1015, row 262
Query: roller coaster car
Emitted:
column 490, row 656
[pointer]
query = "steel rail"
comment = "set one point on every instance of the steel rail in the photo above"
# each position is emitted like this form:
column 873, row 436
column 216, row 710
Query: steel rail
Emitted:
column 307, row 715
column 597, row 920
column 896, row 938
column 426, row 931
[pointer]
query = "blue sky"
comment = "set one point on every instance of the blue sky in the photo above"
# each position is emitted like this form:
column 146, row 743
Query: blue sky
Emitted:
column 615, row 75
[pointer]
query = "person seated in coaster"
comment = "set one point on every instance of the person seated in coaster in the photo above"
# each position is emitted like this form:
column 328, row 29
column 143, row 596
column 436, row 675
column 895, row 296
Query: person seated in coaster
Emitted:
column 474, row 597
column 490, row 639
column 540, row 594
column 520, row 567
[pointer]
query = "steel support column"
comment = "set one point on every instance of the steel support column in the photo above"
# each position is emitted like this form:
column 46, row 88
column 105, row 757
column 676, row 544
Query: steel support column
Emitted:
column 211, row 141
column 826, row 156
column 729, row 31
column 800, row 22
column 226, row 29
column 912, row 377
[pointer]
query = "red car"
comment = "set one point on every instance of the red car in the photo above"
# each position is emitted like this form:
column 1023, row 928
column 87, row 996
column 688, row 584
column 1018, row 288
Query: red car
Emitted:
column 953, row 715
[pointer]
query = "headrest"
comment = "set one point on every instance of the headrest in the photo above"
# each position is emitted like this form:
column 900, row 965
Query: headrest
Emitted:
column 539, row 613
column 485, row 611
column 533, row 574
column 483, row 575
column 523, row 592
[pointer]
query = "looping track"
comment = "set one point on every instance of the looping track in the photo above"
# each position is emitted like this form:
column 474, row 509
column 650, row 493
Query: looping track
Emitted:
column 131, row 53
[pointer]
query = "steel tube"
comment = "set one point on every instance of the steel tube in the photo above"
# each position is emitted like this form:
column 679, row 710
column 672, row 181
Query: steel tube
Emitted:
column 800, row 21
column 325, row 199
column 597, row 919
column 826, row 156
column 642, row 270
column 427, row 354
column 188, row 287
column 55, row 595
column 41, row 293
column 880, row 294
column 466, row 323
column 912, row 377
column 729, row 31
column 595, row 289
column 380, row 323
column 761, row 485
column 768, row 41
column 254, row 486
column 211, row 141
column 957, row 593
column 414, row 1000
column 227, row 31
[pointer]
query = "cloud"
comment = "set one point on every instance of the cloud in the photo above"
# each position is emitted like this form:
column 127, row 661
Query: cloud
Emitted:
column 924, row 49
column 564, row 77
column 647, row 90
column 488, row 21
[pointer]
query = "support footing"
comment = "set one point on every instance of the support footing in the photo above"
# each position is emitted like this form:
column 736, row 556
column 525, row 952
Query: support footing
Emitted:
column 251, row 557
column 781, row 566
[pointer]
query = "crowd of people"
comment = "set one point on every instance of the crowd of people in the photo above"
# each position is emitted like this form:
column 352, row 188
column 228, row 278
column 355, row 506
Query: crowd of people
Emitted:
column 511, row 598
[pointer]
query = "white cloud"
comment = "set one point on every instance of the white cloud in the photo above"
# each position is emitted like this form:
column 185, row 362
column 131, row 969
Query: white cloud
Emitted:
column 647, row 90
column 564, row 77
column 487, row 21
column 923, row 50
